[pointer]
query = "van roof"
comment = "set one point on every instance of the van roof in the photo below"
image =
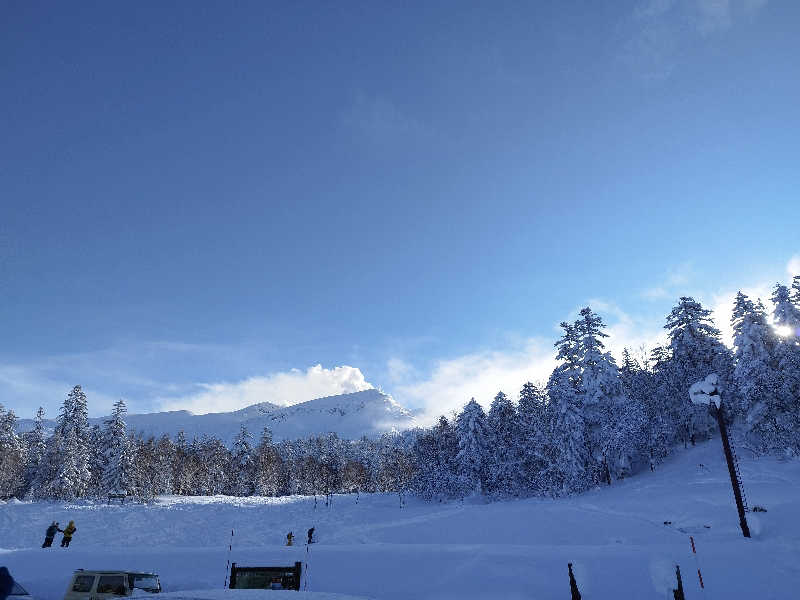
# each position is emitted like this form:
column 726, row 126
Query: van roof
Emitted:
column 112, row 572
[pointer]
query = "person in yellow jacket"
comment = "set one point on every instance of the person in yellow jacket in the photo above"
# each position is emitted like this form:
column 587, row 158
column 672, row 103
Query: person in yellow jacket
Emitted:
column 289, row 538
column 69, row 531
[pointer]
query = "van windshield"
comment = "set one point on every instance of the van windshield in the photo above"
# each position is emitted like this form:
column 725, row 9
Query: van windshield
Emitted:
column 148, row 583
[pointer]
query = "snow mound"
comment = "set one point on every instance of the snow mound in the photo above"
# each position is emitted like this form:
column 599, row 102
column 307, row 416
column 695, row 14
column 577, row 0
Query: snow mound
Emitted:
column 708, row 391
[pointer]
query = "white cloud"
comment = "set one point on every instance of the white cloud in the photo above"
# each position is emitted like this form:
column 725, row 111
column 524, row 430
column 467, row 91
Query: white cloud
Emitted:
column 628, row 331
column 379, row 120
column 658, row 33
column 285, row 389
column 676, row 278
column 710, row 16
column 452, row 382
column 793, row 266
column 399, row 370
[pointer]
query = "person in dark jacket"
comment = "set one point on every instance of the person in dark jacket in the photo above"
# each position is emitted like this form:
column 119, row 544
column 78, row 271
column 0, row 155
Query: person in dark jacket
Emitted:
column 6, row 583
column 289, row 539
column 311, row 536
column 50, row 534
column 69, row 531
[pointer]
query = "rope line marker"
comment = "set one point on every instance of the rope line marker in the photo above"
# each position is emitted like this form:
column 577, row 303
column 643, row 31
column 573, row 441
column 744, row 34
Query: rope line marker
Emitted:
column 228, row 563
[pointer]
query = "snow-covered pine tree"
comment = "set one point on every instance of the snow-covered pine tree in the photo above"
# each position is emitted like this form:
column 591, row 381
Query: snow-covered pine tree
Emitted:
column 601, row 392
column 242, row 473
column 435, row 455
column 12, row 456
column 533, row 441
column 786, row 314
column 80, row 420
column 786, row 318
column 754, row 349
column 695, row 352
column 568, row 446
column 119, row 454
column 70, row 452
column 97, row 461
column 639, row 386
column 795, row 295
column 503, row 456
column 472, row 448
column 36, row 444
column 567, row 449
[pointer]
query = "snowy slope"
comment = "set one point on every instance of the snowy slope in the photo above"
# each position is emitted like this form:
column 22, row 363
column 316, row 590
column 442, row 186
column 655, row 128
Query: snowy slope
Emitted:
column 616, row 538
column 351, row 416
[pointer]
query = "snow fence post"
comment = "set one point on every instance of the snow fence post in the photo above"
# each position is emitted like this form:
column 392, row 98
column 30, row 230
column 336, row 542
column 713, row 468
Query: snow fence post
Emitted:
column 573, row 585
column 677, row 593
column 709, row 392
column 228, row 563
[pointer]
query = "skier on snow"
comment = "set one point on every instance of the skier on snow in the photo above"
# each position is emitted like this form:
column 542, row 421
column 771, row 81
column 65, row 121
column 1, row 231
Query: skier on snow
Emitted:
column 311, row 536
column 69, row 531
column 50, row 534
column 289, row 538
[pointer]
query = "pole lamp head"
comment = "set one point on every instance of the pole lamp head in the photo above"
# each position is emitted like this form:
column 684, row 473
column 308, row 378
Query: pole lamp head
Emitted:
column 708, row 392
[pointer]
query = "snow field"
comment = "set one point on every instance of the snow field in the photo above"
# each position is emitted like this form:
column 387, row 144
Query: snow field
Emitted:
column 615, row 537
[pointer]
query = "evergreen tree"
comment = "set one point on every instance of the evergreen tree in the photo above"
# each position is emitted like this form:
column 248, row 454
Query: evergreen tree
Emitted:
column 695, row 352
column 795, row 296
column 567, row 448
column 36, row 444
column 436, row 457
column 503, row 452
column 600, row 391
column 783, row 423
column 70, row 450
column 97, row 461
column 270, row 478
column 787, row 314
column 242, row 465
column 533, row 442
column 640, row 387
column 12, row 456
column 472, row 448
column 119, row 454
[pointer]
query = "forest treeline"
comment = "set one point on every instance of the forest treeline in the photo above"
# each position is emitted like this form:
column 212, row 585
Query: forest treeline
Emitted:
column 594, row 421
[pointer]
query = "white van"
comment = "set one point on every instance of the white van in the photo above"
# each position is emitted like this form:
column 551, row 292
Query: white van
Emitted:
column 102, row 585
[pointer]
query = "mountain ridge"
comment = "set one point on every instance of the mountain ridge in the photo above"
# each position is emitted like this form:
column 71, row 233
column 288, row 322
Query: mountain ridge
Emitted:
column 351, row 416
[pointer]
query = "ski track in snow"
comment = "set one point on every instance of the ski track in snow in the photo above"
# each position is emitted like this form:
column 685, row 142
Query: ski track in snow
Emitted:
column 615, row 537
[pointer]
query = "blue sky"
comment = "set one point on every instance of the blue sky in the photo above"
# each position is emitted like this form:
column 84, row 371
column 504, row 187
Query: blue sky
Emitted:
column 201, row 202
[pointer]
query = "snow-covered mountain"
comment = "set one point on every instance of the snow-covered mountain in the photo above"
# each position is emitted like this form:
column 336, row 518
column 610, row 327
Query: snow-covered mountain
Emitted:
column 351, row 416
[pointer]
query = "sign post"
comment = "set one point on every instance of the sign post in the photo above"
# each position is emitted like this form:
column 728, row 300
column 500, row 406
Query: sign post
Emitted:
column 708, row 392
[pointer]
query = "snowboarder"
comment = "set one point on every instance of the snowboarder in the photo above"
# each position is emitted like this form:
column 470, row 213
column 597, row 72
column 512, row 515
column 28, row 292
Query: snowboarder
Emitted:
column 289, row 539
column 311, row 536
column 50, row 534
column 69, row 531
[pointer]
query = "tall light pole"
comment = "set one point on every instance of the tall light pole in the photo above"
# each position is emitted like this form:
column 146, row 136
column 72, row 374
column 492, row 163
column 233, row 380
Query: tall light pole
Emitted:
column 709, row 391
